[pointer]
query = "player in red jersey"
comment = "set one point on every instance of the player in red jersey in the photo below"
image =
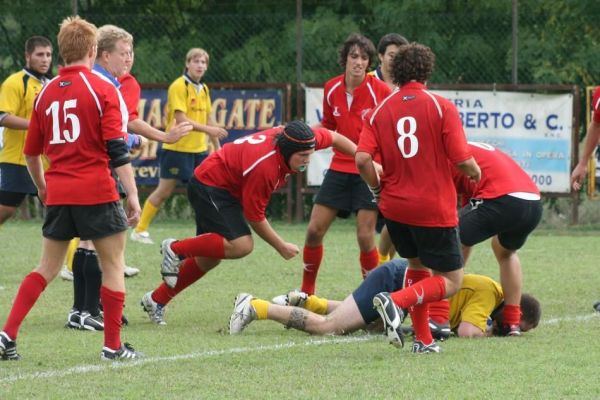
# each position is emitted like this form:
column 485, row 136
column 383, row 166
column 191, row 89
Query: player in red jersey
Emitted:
column 232, row 186
column 347, row 99
column 419, row 136
column 591, row 143
column 78, row 124
column 505, row 206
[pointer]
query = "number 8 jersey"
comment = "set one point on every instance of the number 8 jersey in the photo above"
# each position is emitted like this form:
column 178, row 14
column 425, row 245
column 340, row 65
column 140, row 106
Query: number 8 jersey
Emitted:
column 417, row 133
column 73, row 117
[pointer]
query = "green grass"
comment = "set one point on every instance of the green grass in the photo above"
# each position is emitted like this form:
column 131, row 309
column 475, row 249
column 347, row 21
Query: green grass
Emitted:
column 193, row 357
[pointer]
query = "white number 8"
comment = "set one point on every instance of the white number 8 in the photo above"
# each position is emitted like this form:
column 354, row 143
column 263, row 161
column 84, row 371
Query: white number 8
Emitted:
column 407, row 135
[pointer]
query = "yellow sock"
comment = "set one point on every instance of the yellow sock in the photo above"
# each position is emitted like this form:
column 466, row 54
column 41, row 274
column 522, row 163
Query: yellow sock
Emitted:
column 148, row 214
column 261, row 307
column 383, row 258
column 71, row 252
column 316, row 304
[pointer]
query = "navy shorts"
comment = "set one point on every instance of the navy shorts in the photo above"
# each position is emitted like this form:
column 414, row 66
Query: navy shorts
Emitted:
column 15, row 184
column 179, row 165
column 509, row 217
column 217, row 211
column 388, row 277
column 437, row 248
column 86, row 222
column 346, row 193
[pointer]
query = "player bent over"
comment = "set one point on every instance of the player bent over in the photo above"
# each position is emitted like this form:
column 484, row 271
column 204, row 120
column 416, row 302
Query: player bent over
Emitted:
column 232, row 186
column 475, row 310
column 78, row 124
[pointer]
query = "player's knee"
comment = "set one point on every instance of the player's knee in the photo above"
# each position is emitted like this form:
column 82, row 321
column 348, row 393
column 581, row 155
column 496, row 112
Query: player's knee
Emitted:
column 239, row 248
column 6, row 213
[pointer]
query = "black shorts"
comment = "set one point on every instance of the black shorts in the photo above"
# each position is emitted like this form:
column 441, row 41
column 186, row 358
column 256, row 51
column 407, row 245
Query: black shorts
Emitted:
column 86, row 222
column 437, row 248
column 179, row 165
column 509, row 217
column 388, row 277
column 217, row 211
column 346, row 193
column 15, row 184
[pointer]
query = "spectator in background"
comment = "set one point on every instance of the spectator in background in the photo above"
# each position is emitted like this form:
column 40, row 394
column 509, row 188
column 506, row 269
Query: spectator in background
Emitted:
column 17, row 95
column 188, row 100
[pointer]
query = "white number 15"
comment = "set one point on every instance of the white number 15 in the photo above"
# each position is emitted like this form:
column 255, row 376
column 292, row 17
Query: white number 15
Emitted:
column 65, row 136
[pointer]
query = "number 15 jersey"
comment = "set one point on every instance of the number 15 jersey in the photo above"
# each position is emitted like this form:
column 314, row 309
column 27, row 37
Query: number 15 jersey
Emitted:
column 417, row 133
column 73, row 117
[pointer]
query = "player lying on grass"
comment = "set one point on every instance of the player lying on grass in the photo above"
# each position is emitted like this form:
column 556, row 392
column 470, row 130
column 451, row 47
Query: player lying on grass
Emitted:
column 475, row 310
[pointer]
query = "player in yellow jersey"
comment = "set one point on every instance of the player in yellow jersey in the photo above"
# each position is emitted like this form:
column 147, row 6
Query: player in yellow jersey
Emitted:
column 188, row 100
column 17, row 95
column 474, row 310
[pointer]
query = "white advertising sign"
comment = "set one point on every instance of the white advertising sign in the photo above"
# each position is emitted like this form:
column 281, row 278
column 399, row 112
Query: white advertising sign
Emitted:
column 534, row 129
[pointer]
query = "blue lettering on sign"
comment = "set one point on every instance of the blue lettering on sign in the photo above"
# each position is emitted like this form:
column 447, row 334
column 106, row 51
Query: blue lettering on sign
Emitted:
column 551, row 122
column 319, row 115
column 494, row 120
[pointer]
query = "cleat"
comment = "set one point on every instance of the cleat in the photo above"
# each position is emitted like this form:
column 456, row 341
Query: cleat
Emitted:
column 597, row 306
column 169, row 268
column 510, row 330
column 419, row 347
column 243, row 313
column 392, row 317
column 294, row 298
column 141, row 237
column 73, row 319
column 126, row 352
column 65, row 274
column 131, row 271
column 156, row 312
column 92, row 323
column 8, row 348
column 440, row 332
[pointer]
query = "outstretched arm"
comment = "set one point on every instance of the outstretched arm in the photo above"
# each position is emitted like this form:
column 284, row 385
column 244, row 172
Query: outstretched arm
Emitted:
column 591, row 141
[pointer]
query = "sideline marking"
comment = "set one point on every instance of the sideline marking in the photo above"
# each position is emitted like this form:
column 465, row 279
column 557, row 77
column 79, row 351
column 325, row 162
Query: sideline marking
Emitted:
column 103, row 366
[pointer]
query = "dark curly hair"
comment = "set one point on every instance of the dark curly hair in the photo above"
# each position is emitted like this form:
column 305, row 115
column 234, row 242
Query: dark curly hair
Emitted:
column 360, row 41
column 413, row 61
column 388, row 39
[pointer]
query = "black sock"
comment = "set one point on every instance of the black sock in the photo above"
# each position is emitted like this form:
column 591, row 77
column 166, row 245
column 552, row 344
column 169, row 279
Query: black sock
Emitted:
column 78, row 279
column 93, row 281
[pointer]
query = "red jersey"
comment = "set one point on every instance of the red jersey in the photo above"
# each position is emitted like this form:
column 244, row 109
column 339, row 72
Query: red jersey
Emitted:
column 131, row 92
column 348, row 120
column 73, row 117
column 500, row 175
column 596, row 105
column 251, row 169
column 417, row 133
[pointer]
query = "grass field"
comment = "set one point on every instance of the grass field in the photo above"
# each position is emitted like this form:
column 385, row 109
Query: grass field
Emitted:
column 193, row 357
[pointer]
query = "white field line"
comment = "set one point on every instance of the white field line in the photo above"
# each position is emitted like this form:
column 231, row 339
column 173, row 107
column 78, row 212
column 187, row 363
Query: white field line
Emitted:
column 104, row 366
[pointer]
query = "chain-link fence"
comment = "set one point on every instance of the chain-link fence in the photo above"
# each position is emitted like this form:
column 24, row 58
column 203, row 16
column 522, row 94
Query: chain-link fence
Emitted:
column 258, row 41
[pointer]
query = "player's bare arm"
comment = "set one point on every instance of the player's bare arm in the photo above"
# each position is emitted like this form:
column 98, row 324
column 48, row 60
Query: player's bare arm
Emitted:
column 591, row 141
column 14, row 122
column 343, row 144
column 141, row 127
column 470, row 169
column 364, row 163
column 268, row 234
column 36, row 170
column 213, row 131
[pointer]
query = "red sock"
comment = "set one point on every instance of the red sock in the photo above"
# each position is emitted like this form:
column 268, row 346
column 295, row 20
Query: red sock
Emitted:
column 312, row 261
column 368, row 261
column 511, row 315
column 113, row 312
column 189, row 272
column 421, row 292
column 439, row 311
column 419, row 315
column 31, row 287
column 206, row 245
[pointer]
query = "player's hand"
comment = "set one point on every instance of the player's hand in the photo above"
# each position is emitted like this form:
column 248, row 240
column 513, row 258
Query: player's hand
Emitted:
column 217, row 132
column 577, row 176
column 178, row 131
column 288, row 250
column 378, row 169
column 133, row 210
column 42, row 195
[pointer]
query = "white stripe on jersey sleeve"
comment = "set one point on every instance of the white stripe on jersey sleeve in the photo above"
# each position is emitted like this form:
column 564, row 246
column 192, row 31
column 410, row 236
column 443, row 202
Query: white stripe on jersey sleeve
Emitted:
column 372, row 93
column 381, row 105
column 435, row 101
column 37, row 100
column 331, row 91
column 89, row 86
column 250, row 168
